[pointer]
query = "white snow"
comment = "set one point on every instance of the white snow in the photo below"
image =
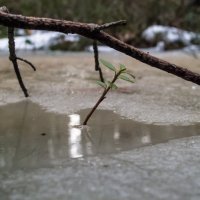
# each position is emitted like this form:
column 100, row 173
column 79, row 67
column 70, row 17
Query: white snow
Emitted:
column 44, row 39
column 101, row 48
column 163, row 35
column 168, row 34
column 160, row 47
column 193, row 48
column 38, row 40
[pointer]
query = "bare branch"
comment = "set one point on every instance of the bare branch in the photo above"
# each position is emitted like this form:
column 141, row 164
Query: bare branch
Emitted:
column 95, row 46
column 27, row 62
column 13, row 59
column 86, row 30
column 96, row 58
column 112, row 24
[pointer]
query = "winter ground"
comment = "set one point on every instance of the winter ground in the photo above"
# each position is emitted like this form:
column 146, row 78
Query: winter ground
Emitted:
column 64, row 83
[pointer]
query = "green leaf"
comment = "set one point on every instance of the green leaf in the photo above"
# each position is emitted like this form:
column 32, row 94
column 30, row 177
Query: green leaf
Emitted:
column 112, row 85
column 130, row 74
column 102, row 84
column 125, row 78
column 122, row 67
column 108, row 65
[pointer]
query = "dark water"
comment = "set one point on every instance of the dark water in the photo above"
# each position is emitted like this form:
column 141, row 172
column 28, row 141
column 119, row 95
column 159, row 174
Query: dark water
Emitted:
column 30, row 137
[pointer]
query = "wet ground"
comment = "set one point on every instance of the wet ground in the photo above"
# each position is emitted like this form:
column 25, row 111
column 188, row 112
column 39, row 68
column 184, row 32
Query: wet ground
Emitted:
column 45, row 157
column 34, row 138
column 60, row 81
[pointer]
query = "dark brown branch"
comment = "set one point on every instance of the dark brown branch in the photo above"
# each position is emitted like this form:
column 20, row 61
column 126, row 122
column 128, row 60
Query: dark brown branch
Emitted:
column 27, row 62
column 96, row 58
column 109, row 25
column 87, row 30
column 96, row 55
column 13, row 59
column 102, row 97
column 95, row 46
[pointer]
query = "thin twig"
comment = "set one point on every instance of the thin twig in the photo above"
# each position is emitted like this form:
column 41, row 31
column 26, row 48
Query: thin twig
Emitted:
column 97, row 28
column 13, row 58
column 102, row 97
column 112, row 24
column 27, row 62
column 96, row 58
column 96, row 55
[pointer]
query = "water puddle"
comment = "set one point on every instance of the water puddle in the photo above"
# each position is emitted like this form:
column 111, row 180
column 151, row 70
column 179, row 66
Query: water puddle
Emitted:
column 30, row 137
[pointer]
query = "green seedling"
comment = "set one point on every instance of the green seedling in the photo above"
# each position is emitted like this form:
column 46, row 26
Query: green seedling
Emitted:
column 120, row 73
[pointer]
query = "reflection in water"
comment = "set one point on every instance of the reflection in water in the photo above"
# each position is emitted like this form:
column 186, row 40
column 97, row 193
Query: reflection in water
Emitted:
column 32, row 138
column 74, row 138
column 146, row 139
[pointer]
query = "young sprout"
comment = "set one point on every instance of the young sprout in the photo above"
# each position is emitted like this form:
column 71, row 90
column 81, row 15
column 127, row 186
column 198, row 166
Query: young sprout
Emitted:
column 120, row 73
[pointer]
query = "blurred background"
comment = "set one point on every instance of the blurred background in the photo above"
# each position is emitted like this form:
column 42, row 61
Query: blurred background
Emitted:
column 164, row 24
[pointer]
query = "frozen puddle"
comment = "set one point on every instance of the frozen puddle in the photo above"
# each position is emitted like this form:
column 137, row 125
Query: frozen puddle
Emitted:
column 30, row 137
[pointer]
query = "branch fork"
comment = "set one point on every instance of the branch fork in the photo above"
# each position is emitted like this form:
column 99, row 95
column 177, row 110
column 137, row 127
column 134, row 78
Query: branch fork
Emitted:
column 91, row 31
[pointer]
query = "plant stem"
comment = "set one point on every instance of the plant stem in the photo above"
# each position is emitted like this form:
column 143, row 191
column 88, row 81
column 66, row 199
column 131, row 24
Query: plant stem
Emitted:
column 103, row 96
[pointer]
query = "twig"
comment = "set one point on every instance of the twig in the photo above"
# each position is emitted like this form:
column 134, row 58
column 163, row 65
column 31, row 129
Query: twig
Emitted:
column 27, row 62
column 86, row 30
column 13, row 58
column 95, row 46
column 112, row 24
column 96, row 58
column 102, row 97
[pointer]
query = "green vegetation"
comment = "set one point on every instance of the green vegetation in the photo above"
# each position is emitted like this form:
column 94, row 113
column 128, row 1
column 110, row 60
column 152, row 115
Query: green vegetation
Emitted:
column 184, row 14
column 120, row 73
column 3, row 31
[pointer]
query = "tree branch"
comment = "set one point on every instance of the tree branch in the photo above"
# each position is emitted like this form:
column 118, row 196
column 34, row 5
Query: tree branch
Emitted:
column 95, row 46
column 87, row 30
column 96, row 59
column 13, row 58
column 109, row 25
column 27, row 62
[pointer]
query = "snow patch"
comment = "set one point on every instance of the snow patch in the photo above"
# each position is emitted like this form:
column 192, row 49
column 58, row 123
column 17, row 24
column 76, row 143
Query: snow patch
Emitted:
column 169, row 34
column 160, row 47
column 101, row 48
column 38, row 40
